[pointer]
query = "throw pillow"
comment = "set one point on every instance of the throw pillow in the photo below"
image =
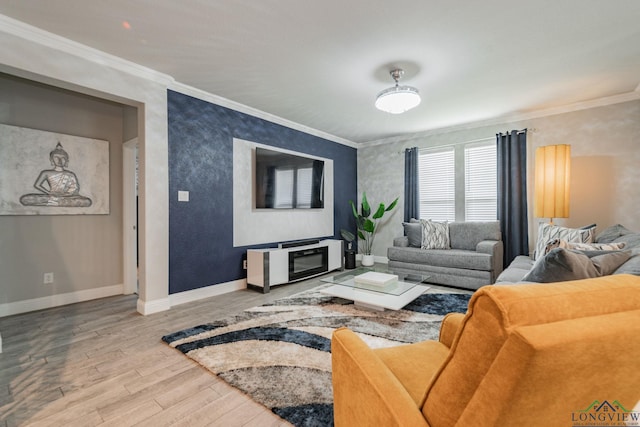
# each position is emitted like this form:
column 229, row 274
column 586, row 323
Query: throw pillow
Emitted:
column 413, row 231
column 559, row 243
column 606, row 264
column 562, row 264
column 548, row 232
column 435, row 235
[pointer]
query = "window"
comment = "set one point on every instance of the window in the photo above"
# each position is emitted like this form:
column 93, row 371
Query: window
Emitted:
column 459, row 183
column 480, row 183
column 436, row 181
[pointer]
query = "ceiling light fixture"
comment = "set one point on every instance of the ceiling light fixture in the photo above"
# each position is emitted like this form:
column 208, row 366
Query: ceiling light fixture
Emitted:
column 397, row 99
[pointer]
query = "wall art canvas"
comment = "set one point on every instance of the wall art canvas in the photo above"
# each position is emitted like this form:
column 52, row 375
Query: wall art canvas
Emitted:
column 46, row 173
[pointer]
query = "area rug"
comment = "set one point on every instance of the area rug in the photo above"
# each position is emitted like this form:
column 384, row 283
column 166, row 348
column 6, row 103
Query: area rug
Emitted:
column 279, row 353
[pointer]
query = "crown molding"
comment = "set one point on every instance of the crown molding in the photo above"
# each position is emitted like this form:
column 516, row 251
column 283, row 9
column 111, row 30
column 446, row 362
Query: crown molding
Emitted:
column 37, row 35
column 509, row 118
column 236, row 106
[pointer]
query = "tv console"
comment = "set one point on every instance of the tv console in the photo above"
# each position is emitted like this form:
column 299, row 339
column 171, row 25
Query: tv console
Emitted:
column 277, row 266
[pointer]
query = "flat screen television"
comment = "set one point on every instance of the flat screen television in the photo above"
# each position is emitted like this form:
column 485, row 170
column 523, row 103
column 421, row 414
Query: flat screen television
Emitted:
column 288, row 181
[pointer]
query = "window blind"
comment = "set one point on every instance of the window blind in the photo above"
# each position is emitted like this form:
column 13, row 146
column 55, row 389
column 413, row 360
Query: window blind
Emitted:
column 480, row 182
column 437, row 185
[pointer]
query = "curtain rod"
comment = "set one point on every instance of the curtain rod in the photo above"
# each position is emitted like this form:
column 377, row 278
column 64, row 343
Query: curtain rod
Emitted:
column 471, row 141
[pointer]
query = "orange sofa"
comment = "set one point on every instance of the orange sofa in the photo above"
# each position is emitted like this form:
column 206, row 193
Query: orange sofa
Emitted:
column 523, row 355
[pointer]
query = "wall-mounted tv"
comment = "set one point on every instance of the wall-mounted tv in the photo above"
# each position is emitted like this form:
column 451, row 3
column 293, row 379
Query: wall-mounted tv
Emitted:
column 288, row 181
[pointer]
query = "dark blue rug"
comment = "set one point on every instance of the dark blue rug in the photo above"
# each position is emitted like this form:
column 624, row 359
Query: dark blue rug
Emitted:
column 279, row 354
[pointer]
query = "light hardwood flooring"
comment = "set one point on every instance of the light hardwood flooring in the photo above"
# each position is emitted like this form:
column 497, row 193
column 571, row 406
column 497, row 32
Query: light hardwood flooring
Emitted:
column 100, row 363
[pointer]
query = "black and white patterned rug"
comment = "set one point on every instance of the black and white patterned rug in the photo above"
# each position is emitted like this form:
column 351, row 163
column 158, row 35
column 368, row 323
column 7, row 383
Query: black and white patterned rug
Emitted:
column 279, row 354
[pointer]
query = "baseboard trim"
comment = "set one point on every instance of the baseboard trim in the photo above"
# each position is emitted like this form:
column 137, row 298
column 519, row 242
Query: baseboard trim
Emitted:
column 150, row 307
column 207, row 292
column 25, row 306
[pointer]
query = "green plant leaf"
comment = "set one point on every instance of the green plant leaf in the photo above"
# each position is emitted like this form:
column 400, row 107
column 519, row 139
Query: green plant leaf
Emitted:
column 366, row 209
column 360, row 235
column 393, row 204
column 379, row 212
column 353, row 209
column 369, row 226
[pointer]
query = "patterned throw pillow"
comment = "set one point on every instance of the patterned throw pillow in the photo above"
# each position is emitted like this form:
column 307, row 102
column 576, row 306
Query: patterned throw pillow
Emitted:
column 548, row 232
column 435, row 235
column 559, row 243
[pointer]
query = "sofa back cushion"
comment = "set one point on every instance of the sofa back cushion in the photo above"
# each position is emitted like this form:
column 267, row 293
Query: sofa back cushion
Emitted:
column 567, row 364
column 467, row 235
column 494, row 311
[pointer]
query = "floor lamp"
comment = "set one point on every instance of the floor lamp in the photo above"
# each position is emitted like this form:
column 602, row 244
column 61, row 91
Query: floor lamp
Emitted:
column 551, row 183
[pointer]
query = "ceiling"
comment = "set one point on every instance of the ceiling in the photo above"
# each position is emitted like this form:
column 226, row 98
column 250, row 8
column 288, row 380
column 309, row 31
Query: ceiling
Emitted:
column 321, row 63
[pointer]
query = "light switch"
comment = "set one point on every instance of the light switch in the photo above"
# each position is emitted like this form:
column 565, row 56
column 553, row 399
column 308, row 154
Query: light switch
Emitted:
column 183, row 196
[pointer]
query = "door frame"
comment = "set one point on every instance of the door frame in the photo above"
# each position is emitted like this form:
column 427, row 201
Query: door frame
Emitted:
column 129, row 217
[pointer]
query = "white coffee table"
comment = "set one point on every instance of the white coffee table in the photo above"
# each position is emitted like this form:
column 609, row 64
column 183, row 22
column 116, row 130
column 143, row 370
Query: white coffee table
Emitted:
column 392, row 297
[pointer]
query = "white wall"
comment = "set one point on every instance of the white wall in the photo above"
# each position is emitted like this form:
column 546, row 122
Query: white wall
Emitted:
column 605, row 177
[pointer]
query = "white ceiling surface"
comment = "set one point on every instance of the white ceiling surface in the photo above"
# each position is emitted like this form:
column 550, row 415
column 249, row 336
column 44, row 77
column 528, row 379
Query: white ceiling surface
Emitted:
column 321, row 63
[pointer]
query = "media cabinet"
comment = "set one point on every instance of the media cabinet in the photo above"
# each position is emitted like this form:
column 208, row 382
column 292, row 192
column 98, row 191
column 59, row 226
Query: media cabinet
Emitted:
column 292, row 262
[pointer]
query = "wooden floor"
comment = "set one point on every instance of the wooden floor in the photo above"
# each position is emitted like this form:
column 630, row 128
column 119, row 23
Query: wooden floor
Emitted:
column 100, row 363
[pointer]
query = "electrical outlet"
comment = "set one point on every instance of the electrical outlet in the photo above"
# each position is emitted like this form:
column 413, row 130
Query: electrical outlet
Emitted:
column 244, row 264
column 48, row 278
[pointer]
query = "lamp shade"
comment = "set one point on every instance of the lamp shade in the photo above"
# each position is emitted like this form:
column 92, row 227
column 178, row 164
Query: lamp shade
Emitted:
column 551, row 184
column 398, row 99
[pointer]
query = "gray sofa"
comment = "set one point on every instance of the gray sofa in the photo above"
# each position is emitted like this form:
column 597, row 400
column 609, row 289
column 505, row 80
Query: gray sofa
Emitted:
column 522, row 265
column 474, row 260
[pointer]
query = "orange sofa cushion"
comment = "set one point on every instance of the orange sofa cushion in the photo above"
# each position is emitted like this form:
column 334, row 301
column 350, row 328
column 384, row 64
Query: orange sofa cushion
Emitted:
column 494, row 312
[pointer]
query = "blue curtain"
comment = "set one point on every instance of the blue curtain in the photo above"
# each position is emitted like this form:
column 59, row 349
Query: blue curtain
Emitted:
column 512, row 193
column 411, row 195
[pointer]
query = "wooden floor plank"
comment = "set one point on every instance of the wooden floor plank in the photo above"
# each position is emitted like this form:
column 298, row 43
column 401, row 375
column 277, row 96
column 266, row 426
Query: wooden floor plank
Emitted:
column 101, row 363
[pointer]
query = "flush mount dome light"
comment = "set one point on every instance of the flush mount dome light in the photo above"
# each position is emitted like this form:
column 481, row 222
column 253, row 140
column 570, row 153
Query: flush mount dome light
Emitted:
column 397, row 99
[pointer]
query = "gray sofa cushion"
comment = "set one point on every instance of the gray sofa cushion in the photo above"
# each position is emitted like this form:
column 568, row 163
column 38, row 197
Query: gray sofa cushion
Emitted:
column 610, row 234
column 467, row 235
column 519, row 267
column 452, row 258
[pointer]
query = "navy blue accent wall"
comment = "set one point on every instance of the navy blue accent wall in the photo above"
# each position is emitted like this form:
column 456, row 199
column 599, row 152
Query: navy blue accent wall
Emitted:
column 201, row 251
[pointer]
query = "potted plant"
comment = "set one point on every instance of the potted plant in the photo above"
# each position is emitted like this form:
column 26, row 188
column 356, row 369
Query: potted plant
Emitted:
column 367, row 225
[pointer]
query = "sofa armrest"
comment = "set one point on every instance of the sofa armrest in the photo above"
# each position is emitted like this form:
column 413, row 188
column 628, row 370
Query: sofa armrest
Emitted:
column 365, row 391
column 449, row 328
column 495, row 248
column 401, row 242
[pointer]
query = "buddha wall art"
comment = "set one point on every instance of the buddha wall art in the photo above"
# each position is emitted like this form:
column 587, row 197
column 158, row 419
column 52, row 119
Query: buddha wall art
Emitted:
column 46, row 173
